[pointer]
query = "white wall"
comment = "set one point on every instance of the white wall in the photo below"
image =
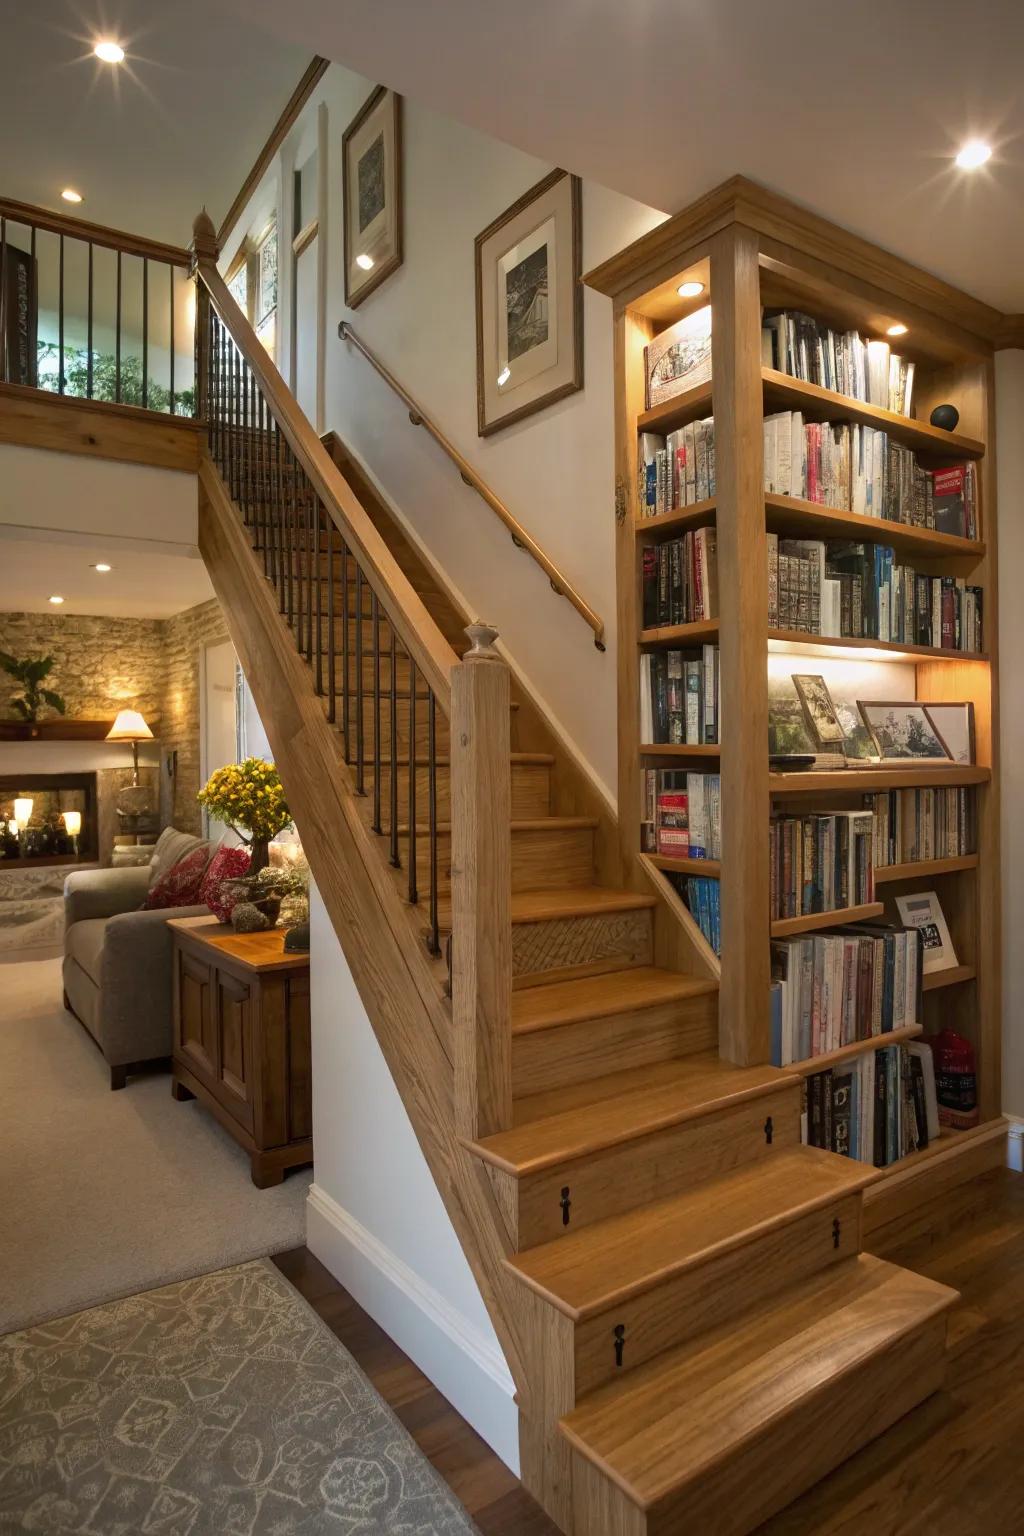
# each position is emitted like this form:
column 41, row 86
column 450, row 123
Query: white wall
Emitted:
column 1010, row 444
column 375, row 1218
column 153, row 509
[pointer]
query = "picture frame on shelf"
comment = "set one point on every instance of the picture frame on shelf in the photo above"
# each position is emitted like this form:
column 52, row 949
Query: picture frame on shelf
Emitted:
column 529, row 304
column 902, row 731
column 823, row 721
column 678, row 358
column 953, row 723
column 923, row 911
column 371, row 170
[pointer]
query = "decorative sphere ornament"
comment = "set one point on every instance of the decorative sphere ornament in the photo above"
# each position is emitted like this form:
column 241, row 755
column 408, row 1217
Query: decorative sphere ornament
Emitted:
column 945, row 417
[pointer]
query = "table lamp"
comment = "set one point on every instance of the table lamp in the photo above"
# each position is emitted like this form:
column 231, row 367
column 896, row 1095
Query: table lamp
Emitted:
column 130, row 726
column 23, row 812
column 72, row 826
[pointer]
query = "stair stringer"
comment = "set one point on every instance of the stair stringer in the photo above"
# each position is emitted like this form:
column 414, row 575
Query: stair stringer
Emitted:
column 401, row 987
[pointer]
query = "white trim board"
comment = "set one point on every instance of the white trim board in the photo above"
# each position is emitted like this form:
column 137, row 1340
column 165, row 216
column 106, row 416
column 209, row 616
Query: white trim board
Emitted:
column 464, row 1365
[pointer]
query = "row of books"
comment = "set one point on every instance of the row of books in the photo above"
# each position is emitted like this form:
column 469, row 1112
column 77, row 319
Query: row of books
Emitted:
column 842, row 589
column 877, row 1108
column 680, row 580
column 820, row 863
column 807, row 349
column 681, row 813
column 677, row 470
column 914, row 825
column 861, row 469
column 680, row 696
column 833, row 989
column 703, row 899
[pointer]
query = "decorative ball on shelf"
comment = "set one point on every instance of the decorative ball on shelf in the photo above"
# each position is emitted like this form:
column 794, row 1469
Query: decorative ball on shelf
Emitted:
column 246, row 918
column 945, row 417
column 296, row 940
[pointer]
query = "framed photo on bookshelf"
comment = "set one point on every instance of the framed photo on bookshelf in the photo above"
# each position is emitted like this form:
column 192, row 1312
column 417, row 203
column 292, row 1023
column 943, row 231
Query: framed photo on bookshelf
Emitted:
column 823, row 721
column 902, row 730
column 678, row 358
column 923, row 912
column 529, row 304
column 371, row 172
column 954, row 724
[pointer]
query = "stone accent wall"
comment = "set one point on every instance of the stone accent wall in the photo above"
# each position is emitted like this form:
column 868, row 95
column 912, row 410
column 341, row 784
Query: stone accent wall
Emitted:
column 184, row 638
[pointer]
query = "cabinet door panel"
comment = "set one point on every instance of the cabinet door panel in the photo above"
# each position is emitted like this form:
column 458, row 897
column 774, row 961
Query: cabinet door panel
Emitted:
column 196, row 1040
column 235, row 1006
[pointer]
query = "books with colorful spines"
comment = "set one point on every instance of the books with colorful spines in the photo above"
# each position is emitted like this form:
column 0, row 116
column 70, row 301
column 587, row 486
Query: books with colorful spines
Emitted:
column 678, row 358
column 955, row 500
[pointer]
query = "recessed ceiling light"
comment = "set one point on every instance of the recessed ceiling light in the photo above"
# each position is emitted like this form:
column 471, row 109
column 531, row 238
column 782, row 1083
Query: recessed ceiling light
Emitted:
column 71, row 196
column 102, row 566
column 56, row 599
column 504, row 376
column 110, row 53
column 690, row 290
column 974, row 153
column 897, row 330
column 366, row 262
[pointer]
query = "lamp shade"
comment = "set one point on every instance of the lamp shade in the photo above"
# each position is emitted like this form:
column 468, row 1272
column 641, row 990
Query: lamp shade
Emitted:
column 129, row 726
column 72, row 822
column 23, row 811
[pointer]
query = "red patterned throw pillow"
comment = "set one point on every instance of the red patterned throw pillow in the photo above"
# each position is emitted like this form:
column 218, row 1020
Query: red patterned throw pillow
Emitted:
column 227, row 864
column 180, row 886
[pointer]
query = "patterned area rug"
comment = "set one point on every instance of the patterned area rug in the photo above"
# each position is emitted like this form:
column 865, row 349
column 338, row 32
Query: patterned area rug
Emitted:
column 220, row 1406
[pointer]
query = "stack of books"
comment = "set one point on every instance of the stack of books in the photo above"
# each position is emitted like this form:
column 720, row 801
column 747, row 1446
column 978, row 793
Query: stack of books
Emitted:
column 680, row 580
column 680, row 697
column 830, row 990
column 842, row 361
column 820, row 863
column 912, row 825
column 703, row 899
column 677, row 470
column 837, row 588
column 877, row 1108
column 681, row 813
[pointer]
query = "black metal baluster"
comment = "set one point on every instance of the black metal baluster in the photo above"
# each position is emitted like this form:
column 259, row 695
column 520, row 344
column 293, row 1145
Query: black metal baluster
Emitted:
column 299, row 586
column 414, row 894
column 88, row 362
column 213, row 397
column 318, row 516
column 145, row 332
column 312, row 574
column 434, row 936
column 332, row 682
column 292, row 525
column 60, row 321
column 236, row 425
column 3, row 297
column 117, row 335
column 279, row 497
column 395, row 858
column 360, row 767
column 263, row 477
column 345, row 681
column 375, row 621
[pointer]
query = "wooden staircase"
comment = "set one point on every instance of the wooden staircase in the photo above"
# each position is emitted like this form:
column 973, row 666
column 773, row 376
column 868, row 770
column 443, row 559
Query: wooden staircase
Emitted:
column 678, row 1284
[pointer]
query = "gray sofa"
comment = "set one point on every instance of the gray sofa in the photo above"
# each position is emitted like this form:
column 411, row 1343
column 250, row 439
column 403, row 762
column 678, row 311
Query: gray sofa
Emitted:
column 117, row 959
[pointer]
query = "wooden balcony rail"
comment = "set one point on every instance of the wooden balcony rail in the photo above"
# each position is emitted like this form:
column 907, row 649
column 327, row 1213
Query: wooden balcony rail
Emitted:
column 560, row 585
column 115, row 315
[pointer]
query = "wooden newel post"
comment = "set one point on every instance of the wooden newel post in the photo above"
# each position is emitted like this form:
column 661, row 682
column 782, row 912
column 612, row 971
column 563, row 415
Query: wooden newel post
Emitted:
column 481, row 799
column 204, row 252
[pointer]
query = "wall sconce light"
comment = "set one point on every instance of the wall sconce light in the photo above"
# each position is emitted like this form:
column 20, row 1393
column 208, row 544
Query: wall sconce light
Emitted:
column 73, row 826
column 23, row 812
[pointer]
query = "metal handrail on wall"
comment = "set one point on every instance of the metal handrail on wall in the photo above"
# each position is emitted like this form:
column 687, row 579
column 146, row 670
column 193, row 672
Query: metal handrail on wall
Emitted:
column 560, row 585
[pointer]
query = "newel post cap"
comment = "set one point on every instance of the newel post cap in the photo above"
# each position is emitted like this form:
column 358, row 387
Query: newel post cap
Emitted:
column 204, row 238
column 482, row 638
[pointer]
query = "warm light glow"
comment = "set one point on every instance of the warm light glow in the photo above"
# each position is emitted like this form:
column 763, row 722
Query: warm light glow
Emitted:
column 364, row 261
column 129, row 726
column 690, row 290
column 72, row 822
column 56, row 599
column 109, row 52
column 897, row 330
column 504, row 376
column 23, row 812
column 974, row 153
column 102, row 566
column 12, row 827
column 71, row 196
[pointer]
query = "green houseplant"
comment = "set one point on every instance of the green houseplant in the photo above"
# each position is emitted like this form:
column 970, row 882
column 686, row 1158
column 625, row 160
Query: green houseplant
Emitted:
column 31, row 673
column 249, row 798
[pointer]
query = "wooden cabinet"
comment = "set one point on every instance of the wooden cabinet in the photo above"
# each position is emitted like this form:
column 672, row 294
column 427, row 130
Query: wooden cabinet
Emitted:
column 241, row 1040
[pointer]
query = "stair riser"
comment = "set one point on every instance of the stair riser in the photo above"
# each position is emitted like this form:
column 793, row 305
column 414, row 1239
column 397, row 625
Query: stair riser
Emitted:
column 795, row 1451
column 576, row 1053
column 540, row 859
column 703, row 1297
column 565, row 947
column 530, row 791
column 617, row 1179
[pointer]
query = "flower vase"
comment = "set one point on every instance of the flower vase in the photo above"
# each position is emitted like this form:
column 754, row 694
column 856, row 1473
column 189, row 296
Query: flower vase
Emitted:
column 259, row 855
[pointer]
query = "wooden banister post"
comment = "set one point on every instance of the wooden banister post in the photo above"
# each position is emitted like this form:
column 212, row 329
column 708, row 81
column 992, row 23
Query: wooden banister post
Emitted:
column 481, row 818
column 203, row 251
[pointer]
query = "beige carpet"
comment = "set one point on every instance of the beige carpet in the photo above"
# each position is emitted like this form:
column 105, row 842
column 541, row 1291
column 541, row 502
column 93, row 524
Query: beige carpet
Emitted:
column 103, row 1194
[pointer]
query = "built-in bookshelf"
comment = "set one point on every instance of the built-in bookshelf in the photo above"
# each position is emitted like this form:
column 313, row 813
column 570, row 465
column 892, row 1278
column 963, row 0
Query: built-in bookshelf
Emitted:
column 764, row 258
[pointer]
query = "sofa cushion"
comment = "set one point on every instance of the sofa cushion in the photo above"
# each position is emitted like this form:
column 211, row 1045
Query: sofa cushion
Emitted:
column 84, row 944
column 170, row 846
column 179, row 887
column 227, row 864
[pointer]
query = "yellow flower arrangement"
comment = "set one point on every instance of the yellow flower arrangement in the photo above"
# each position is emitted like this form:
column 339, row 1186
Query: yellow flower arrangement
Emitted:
column 247, row 795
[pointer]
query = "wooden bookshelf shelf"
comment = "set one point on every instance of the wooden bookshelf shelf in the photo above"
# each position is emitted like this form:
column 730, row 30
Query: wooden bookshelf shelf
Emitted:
column 871, row 779
column 676, row 412
column 814, row 1064
column 949, row 1145
column 784, row 392
column 810, row 922
column 704, row 632
column 791, row 515
column 680, row 749
column 924, row 869
column 709, row 867
column 951, row 977
column 667, row 524
column 795, row 641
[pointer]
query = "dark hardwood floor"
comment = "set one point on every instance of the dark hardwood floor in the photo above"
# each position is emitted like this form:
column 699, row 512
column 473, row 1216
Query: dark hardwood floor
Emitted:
column 953, row 1467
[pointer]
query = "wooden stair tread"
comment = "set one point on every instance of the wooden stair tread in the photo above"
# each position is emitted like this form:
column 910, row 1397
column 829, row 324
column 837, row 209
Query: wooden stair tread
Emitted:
column 596, row 997
column 621, row 1107
column 528, row 824
column 668, row 1423
column 603, row 1264
column 575, row 901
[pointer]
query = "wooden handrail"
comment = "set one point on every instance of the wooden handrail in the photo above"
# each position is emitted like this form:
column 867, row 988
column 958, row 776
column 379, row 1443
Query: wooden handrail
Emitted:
column 522, row 540
column 402, row 604
column 94, row 234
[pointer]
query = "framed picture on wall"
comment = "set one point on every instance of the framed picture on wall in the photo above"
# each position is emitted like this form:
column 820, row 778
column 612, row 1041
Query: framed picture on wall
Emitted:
column 529, row 304
column 372, row 188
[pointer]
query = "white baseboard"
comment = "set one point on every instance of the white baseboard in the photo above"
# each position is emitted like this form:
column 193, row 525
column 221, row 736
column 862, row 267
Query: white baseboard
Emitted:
column 465, row 1366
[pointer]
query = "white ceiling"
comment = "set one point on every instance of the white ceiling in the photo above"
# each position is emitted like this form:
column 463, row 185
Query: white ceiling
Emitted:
column 147, row 142
column 851, row 107
column 141, row 585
